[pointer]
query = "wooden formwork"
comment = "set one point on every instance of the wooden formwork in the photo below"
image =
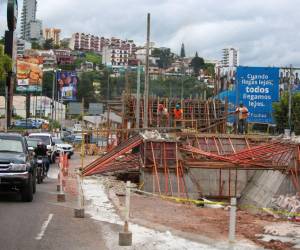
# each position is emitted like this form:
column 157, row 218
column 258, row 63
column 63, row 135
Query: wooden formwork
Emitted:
column 200, row 115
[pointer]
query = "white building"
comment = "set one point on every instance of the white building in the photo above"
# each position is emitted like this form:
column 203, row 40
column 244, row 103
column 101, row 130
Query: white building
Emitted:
column 22, row 46
column 230, row 57
column 31, row 28
column 35, row 30
column 39, row 106
column 115, row 56
column 28, row 15
column 140, row 55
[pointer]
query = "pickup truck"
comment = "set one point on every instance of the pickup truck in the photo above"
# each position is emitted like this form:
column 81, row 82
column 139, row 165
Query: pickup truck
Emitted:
column 17, row 171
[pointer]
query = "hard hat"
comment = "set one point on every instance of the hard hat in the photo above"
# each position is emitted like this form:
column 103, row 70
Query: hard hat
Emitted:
column 177, row 106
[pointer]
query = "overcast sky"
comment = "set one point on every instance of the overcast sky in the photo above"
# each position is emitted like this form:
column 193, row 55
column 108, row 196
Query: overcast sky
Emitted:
column 266, row 32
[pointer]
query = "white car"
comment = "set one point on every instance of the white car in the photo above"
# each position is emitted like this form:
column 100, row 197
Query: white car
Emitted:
column 61, row 147
column 47, row 139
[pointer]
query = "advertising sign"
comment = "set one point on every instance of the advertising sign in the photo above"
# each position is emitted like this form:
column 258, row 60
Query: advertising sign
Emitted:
column 258, row 88
column 29, row 74
column 284, row 80
column 67, row 85
column 96, row 108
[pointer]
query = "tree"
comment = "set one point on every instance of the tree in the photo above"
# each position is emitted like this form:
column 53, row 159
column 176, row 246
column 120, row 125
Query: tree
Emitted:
column 210, row 69
column 93, row 57
column 48, row 83
column 182, row 51
column 197, row 63
column 64, row 44
column 48, row 44
column 5, row 63
column 281, row 113
column 35, row 45
column 165, row 57
column 2, row 40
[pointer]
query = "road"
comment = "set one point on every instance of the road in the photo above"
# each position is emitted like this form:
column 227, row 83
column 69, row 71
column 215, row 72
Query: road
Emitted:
column 44, row 223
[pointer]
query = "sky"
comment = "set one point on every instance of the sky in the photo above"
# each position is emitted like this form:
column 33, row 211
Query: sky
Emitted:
column 266, row 32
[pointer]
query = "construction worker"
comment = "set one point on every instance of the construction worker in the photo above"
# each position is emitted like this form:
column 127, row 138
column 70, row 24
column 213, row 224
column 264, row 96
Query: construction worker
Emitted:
column 243, row 114
column 163, row 115
column 178, row 113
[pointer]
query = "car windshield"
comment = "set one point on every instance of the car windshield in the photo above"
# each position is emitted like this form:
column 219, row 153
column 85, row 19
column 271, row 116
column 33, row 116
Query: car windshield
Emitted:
column 58, row 141
column 32, row 143
column 45, row 139
column 11, row 145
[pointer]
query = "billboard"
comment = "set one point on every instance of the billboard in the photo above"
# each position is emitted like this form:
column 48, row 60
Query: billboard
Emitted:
column 29, row 74
column 96, row 108
column 284, row 80
column 67, row 85
column 258, row 88
column 74, row 108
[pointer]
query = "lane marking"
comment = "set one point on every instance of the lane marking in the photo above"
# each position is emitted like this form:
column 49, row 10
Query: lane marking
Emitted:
column 44, row 227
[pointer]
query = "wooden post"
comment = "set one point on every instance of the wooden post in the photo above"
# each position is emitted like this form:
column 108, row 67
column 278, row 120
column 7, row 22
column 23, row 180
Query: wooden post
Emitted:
column 146, row 92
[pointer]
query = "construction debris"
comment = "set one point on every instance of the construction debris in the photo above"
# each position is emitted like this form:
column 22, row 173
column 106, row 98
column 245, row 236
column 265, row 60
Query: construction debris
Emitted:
column 290, row 204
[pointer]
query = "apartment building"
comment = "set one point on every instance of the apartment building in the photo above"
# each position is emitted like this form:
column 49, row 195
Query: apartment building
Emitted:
column 64, row 56
column 86, row 42
column 115, row 56
column 52, row 33
column 230, row 57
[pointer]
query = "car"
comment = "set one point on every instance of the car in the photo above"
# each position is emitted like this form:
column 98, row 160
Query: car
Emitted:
column 32, row 143
column 69, row 138
column 46, row 138
column 77, row 139
column 23, row 124
column 61, row 147
column 17, row 171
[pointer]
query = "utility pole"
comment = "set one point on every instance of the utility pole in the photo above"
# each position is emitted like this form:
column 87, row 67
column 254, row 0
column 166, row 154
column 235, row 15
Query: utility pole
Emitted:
column 53, row 88
column 138, row 96
column 290, row 99
column 146, row 91
column 107, row 96
column 12, row 17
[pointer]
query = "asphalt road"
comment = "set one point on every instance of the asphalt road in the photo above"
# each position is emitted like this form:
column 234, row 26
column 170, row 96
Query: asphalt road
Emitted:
column 44, row 223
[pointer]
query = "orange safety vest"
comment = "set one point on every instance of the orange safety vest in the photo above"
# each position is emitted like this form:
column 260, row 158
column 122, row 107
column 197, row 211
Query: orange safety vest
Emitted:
column 243, row 113
column 178, row 113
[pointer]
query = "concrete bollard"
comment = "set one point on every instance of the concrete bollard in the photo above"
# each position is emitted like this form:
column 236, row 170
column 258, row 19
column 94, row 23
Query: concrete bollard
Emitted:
column 61, row 197
column 232, row 220
column 125, row 237
column 79, row 212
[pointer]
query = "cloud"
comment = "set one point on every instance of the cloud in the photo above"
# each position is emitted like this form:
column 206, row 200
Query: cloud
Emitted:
column 266, row 32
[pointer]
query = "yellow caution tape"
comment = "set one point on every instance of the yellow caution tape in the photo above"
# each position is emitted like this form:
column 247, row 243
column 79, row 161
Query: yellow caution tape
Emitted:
column 182, row 200
column 202, row 202
column 271, row 210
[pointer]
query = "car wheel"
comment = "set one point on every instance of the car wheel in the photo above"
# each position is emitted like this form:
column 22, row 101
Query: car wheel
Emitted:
column 27, row 190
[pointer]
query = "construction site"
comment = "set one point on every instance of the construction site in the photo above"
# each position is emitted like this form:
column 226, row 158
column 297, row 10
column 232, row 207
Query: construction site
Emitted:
column 194, row 166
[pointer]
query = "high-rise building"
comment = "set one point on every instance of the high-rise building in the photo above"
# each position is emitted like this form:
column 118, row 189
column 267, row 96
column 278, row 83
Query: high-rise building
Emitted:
column 230, row 57
column 52, row 33
column 31, row 28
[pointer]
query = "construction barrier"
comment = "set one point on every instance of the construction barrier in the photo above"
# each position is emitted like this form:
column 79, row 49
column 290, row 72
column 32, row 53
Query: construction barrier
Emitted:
column 203, row 201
